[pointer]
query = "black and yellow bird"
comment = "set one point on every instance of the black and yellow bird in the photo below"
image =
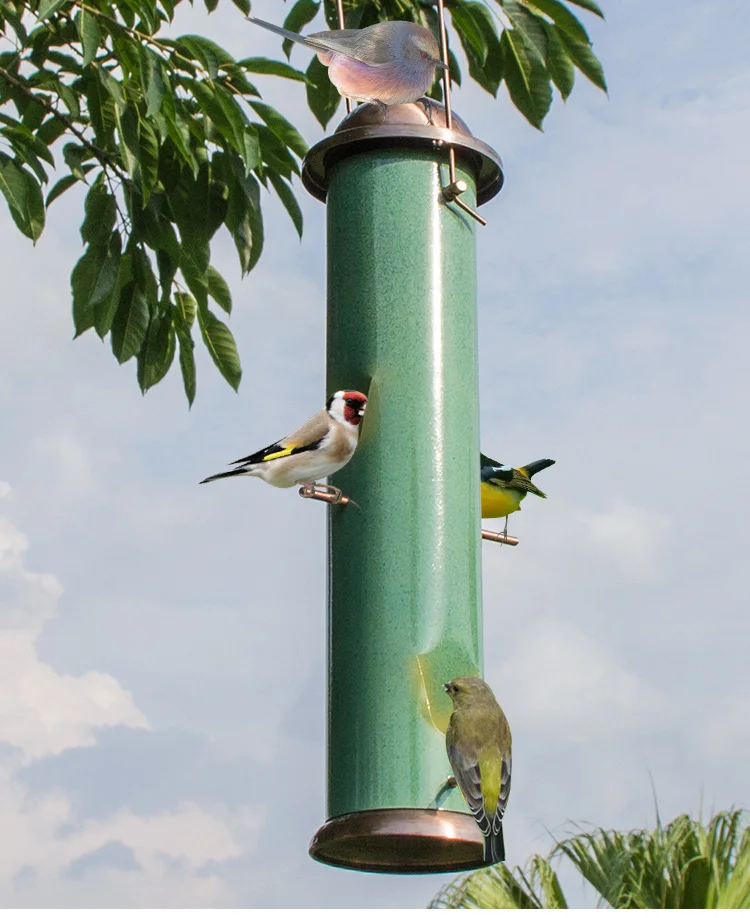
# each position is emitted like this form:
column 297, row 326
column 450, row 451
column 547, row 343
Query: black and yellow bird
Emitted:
column 503, row 487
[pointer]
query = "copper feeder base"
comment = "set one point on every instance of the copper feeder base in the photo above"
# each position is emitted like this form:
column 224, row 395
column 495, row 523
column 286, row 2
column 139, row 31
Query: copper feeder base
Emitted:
column 400, row 841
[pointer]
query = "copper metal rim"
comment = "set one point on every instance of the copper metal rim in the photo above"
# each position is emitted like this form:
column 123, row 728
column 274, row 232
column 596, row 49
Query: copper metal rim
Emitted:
column 360, row 132
column 400, row 841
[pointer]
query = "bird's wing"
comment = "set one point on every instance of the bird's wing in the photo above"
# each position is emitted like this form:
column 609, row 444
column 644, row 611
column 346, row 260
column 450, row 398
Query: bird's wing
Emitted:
column 376, row 45
column 494, row 472
column 522, row 483
column 502, row 800
column 468, row 777
column 309, row 436
column 310, row 41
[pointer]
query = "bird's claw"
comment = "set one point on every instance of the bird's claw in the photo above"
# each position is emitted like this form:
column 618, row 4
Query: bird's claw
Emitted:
column 427, row 105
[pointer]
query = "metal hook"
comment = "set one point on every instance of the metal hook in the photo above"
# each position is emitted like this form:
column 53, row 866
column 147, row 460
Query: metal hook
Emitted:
column 453, row 191
column 493, row 536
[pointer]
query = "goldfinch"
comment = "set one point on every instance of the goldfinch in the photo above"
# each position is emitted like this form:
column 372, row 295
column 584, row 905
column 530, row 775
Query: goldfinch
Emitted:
column 478, row 742
column 503, row 488
column 319, row 448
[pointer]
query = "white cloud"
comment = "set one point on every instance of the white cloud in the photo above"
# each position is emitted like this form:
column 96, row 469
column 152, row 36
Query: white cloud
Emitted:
column 565, row 683
column 631, row 538
column 43, row 712
column 169, row 849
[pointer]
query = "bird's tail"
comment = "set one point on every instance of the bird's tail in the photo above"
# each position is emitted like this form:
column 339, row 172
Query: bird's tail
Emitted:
column 533, row 467
column 494, row 847
column 292, row 36
column 231, row 474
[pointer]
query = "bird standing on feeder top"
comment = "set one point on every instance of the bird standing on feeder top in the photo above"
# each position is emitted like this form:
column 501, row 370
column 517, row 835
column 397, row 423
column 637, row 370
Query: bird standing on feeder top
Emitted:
column 478, row 741
column 387, row 63
column 319, row 448
column 503, row 488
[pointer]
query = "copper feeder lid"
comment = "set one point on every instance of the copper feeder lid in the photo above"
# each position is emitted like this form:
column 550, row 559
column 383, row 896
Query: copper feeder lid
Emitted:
column 400, row 841
column 404, row 126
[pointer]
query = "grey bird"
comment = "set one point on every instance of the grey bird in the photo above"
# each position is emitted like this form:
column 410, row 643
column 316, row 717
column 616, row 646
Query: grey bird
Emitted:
column 387, row 63
column 478, row 742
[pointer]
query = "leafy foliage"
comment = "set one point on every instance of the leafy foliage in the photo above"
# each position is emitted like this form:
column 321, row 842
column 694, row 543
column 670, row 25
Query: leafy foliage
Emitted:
column 681, row 865
column 173, row 143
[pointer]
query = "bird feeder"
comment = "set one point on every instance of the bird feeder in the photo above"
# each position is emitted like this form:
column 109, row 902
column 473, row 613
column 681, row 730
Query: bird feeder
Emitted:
column 404, row 579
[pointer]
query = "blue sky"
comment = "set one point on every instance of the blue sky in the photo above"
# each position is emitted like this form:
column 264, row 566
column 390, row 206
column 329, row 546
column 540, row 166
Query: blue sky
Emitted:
column 162, row 674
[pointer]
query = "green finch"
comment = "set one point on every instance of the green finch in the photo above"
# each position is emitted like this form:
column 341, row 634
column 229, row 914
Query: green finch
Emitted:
column 478, row 742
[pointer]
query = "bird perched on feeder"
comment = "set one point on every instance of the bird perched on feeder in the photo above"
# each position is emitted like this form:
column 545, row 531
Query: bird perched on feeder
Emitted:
column 386, row 63
column 478, row 741
column 503, row 488
column 319, row 448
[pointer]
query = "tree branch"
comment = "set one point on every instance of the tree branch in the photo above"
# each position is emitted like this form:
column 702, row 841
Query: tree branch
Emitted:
column 106, row 160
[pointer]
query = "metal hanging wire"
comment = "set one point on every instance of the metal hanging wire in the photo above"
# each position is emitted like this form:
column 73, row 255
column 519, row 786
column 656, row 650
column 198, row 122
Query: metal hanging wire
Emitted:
column 453, row 191
column 342, row 25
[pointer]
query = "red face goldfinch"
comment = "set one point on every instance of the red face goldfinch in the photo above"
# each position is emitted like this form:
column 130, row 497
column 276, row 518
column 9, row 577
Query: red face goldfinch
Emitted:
column 319, row 448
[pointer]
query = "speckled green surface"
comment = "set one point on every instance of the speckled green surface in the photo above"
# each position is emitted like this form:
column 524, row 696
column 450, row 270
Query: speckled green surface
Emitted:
column 405, row 576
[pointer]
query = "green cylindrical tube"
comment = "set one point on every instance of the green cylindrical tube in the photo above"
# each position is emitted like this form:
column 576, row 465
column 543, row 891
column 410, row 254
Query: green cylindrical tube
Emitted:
column 405, row 566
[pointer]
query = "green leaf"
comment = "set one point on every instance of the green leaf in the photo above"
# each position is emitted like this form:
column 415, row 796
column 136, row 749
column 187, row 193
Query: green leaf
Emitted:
column 274, row 152
column 105, row 307
column 322, row 96
column 157, row 353
column 93, row 281
column 74, row 156
column 24, row 196
column 221, row 346
column 244, row 7
column 218, row 289
column 288, row 199
column 590, row 6
column 530, row 26
column 283, row 129
column 89, row 33
column 454, row 69
column 101, row 213
column 130, row 150
column 51, row 130
column 60, row 187
column 559, row 64
column 301, row 13
column 468, row 30
column 561, row 16
column 273, row 68
column 148, row 144
column 186, row 309
column 211, row 55
column 130, row 323
column 585, row 59
column 244, row 219
column 48, row 7
column 526, row 78
column 187, row 364
column 488, row 72
column 238, row 83
column 153, row 81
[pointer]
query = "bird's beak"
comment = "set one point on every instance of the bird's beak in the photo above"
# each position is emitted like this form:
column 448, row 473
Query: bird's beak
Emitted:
column 447, row 686
column 438, row 63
